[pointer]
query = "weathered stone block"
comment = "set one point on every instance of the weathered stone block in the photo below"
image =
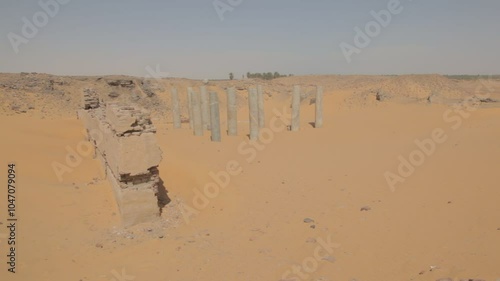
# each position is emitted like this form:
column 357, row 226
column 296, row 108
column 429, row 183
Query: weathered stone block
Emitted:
column 125, row 142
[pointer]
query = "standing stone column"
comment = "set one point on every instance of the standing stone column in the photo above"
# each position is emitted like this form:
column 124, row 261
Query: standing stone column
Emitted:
column 215, row 117
column 190, row 107
column 232, row 112
column 176, row 113
column 318, row 123
column 205, row 108
column 254, row 112
column 197, row 121
column 260, row 98
column 295, row 109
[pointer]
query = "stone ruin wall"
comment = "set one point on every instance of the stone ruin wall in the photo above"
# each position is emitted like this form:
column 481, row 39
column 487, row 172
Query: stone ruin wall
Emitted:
column 125, row 141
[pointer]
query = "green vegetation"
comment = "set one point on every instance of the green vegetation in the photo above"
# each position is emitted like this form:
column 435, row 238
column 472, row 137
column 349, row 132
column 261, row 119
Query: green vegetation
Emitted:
column 472, row 77
column 266, row 75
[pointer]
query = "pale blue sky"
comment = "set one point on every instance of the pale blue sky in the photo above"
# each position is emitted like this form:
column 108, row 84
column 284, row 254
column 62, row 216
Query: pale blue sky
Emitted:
column 188, row 39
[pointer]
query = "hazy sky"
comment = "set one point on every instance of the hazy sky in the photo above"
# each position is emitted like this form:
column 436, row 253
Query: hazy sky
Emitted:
column 187, row 38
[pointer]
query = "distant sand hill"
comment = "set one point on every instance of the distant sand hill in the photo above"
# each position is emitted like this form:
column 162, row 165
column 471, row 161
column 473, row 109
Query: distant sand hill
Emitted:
column 48, row 96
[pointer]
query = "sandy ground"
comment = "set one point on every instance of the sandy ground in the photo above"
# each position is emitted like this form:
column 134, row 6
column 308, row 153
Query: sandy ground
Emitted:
column 441, row 222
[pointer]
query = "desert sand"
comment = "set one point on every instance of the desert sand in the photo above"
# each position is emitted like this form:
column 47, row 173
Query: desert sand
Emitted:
column 307, row 205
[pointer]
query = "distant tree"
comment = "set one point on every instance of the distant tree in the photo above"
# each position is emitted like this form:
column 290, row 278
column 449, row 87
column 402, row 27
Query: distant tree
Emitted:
column 231, row 76
column 266, row 75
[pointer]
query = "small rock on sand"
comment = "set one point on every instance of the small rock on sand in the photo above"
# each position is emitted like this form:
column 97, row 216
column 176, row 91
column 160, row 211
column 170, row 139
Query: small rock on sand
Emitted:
column 311, row 240
column 329, row 258
column 308, row 220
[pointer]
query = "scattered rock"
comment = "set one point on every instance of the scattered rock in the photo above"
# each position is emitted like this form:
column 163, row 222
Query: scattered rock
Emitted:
column 308, row 220
column 432, row 97
column 113, row 95
column 149, row 88
column 122, row 83
column 451, row 279
column 56, row 82
column 90, row 99
column 329, row 258
column 17, row 108
column 365, row 209
column 135, row 96
column 311, row 240
column 381, row 95
column 99, row 245
column 313, row 226
column 488, row 100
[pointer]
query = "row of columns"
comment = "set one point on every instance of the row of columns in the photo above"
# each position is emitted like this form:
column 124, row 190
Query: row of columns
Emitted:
column 204, row 111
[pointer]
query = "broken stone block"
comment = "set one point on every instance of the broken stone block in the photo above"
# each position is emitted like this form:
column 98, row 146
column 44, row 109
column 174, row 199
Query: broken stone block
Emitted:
column 125, row 142
column 90, row 99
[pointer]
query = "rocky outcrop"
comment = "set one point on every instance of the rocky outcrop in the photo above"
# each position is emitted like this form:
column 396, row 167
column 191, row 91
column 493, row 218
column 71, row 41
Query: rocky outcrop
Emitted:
column 381, row 96
column 125, row 142
column 90, row 99
column 121, row 83
column 147, row 88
